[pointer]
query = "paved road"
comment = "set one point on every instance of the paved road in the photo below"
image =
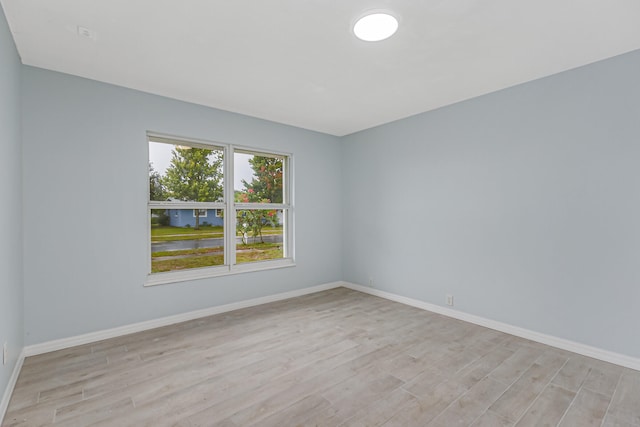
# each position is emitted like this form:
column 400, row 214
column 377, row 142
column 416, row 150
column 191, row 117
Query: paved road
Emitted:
column 204, row 243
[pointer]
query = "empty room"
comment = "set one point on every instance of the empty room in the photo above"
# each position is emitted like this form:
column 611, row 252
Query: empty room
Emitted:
column 320, row 213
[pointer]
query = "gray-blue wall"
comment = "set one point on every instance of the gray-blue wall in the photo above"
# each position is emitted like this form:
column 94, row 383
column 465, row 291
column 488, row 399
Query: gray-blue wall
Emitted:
column 85, row 151
column 11, row 293
column 524, row 204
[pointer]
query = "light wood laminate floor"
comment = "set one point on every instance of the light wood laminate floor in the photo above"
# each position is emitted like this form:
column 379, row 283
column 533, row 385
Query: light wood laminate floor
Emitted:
column 334, row 358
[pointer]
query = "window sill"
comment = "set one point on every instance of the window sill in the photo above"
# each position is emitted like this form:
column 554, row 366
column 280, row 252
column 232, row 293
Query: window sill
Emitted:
column 205, row 273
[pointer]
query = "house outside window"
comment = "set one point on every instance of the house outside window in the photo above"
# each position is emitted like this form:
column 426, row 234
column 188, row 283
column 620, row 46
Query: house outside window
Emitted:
column 217, row 209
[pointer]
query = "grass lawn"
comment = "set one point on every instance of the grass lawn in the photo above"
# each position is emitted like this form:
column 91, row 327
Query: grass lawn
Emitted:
column 200, row 251
column 207, row 257
column 258, row 252
column 185, row 263
column 171, row 234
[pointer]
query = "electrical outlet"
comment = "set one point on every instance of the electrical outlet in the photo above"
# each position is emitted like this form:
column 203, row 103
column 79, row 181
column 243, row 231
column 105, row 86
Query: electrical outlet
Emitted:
column 371, row 282
column 5, row 353
column 450, row 300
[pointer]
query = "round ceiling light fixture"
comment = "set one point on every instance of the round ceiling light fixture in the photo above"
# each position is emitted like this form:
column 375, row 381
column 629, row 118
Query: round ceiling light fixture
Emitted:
column 375, row 27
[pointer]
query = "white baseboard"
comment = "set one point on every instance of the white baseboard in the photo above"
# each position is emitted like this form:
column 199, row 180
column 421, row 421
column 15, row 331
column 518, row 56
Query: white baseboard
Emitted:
column 4, row 403
column 561, row 343
column 63, row 343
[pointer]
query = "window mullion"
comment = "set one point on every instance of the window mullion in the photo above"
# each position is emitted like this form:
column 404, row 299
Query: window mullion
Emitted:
column 260, row 206
column 230, row 213
column 289, row 227
column 185, row 205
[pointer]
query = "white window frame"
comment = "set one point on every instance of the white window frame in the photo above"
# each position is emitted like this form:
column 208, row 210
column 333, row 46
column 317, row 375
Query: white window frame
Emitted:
column 201, row 215
column 229, row 206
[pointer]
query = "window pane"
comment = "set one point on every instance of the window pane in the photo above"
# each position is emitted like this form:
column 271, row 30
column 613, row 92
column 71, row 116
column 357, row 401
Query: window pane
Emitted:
column 183, row 173
column 185, row 238
column 259, row 235
column 258, row 179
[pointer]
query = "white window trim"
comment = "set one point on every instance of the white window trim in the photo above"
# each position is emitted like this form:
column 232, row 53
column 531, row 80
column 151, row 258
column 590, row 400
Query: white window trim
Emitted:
column 216, row 271
column 201, row 215
column 230, row 267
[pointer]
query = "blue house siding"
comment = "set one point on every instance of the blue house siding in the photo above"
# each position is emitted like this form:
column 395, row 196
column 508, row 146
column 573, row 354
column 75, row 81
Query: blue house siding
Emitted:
column 186, row 218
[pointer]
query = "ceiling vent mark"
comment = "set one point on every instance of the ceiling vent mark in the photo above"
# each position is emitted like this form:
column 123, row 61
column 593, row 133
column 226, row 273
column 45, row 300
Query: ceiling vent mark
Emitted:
column 87, row 33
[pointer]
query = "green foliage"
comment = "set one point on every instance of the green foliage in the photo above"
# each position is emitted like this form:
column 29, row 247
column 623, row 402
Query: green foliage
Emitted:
column 159, row 218
column 267, row 181
column 265, row 187
column 195, row 175
column 156, row 190
column 251, row 223
column 163, row 218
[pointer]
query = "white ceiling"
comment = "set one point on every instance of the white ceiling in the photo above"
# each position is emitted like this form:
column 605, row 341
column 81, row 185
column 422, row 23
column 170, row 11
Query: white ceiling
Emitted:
column 297, row 61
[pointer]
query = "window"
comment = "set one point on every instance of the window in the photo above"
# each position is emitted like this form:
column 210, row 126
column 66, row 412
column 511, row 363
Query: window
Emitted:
column 216, row 209
column 200, row 213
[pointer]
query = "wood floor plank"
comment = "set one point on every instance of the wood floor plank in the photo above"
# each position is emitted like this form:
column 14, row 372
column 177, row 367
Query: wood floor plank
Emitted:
column 516, row 364
column 588, row 409
column 428, row 406
column 334, row 358
column 380, row 411
column 357, row 392
column 573, row 373
column 324, row 418
column 625, row 404
column 549, row 408
column 491, row 419
column 87, row 413
column 296, row 414
column 483, row 366
column 603, row 381
column 463, row 411
column 33, row 416
column 515, row 401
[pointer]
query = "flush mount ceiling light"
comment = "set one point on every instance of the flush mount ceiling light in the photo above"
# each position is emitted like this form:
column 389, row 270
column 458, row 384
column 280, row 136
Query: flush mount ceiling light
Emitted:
column 375, row 27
